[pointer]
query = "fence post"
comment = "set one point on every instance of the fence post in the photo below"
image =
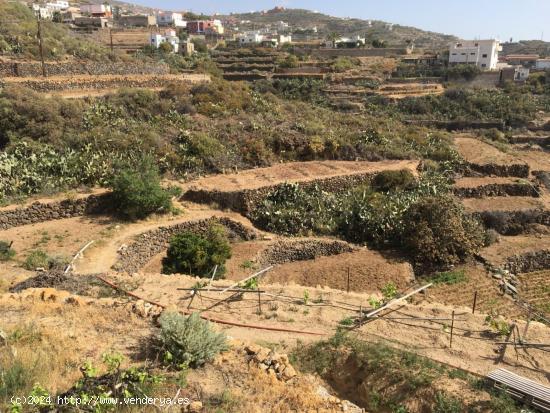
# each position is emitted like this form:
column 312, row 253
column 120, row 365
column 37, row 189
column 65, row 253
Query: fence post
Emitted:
column 475, row 301
column 452, row 327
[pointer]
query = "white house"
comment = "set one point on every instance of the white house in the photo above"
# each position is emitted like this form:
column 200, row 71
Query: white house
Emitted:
column 482, row 53
column 250, row 38
column 42, row 12
column 96, row 10
column 542, row 64
column 169, row 36
column 283, row 39
column 58, row 5
column 169, row 18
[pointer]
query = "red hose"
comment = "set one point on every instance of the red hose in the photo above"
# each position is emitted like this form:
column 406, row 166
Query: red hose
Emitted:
column 213, row 320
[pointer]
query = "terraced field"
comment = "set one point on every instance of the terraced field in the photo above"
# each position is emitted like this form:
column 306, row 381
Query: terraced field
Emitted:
column 295, row 172
column 535, row 289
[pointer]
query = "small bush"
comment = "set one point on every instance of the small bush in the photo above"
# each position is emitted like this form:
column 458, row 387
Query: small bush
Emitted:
column 449, row 278
column 193, row 254
column 40, row 259
column 137, row 192
column 438, row 233
column 6, row 251
column 393, row 180
column 37, row 259
column 188, row 341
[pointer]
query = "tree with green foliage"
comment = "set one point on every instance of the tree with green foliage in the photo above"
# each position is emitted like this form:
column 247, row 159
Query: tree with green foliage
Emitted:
column 137, row 192
column 438, row 232
column 194, row 254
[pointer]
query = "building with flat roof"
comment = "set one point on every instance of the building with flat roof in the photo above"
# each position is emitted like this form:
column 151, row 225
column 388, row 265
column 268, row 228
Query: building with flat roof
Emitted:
column 482, row 53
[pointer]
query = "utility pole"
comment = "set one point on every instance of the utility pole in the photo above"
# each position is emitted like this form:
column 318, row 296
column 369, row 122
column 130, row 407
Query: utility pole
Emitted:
column 41, row 46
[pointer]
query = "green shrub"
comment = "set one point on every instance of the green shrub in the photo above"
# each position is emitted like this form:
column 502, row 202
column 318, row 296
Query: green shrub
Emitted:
column 188, row 341
column 438, row 232
column 37, row 259
column 447, row 404
column 449, row 277
column 40, row 259
column 194, row 254
column 137, row 192
column 393, row 180
column 6, row 251
column 116, row 383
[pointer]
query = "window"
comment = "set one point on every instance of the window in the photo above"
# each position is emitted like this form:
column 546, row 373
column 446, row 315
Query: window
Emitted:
column 483, row 65
column 473, row 54
column 463, row 54
column 477, row 44
column 484, row 56
column 454, row 54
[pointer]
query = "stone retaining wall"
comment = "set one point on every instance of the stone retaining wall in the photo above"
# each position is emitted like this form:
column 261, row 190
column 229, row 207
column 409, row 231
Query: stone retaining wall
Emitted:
column 302, row 250
column 529, row 262
column 457, row 125
column 245, row 201
column 135, row 256
column 34, row 69
column 493, row 190
column 40, row 212
column 513, row 222
column 116, row 82
column 510, row 170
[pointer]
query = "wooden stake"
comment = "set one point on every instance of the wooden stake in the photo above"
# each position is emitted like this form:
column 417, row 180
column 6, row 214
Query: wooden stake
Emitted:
column 259, row 301
column 524, row 335
column 452, row 327
column 475, row 301
column 348, row 280
column 360, row 316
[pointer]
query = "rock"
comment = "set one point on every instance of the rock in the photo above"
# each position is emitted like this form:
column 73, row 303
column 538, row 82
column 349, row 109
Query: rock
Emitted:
column 195, row 406
column 288, row 373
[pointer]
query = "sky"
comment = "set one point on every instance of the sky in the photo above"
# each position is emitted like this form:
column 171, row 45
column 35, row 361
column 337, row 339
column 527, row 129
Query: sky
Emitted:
column 468, row 19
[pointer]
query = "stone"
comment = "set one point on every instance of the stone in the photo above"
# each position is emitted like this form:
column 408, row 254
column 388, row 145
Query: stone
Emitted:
column 195, row 406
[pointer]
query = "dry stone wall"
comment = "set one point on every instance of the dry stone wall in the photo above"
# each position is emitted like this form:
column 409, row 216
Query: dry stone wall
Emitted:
column 133, row 257
column 494, row 190
column 529, row 262
column 513, row 170
column 245, row 201
column 34, row 69
column 301, row 250
column 514, row 222
column 68, row 208
column 98, row 83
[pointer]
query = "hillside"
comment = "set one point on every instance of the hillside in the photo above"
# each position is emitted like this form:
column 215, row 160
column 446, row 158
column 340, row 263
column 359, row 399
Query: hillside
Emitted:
column 527, row 47
column 396, row 35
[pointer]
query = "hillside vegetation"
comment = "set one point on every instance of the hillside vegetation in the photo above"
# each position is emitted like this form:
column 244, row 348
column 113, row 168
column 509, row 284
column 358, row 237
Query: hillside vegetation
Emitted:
column 18, row 37
column 397, row 35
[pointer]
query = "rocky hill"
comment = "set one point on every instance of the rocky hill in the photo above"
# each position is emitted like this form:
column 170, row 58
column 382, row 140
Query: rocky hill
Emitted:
column 391, row 34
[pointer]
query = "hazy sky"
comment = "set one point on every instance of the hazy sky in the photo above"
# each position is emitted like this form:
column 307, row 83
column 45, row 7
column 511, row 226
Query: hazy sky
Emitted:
column 525, row 19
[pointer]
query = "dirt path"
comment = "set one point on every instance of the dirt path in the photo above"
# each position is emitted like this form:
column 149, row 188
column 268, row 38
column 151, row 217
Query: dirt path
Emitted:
column 103, row 255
